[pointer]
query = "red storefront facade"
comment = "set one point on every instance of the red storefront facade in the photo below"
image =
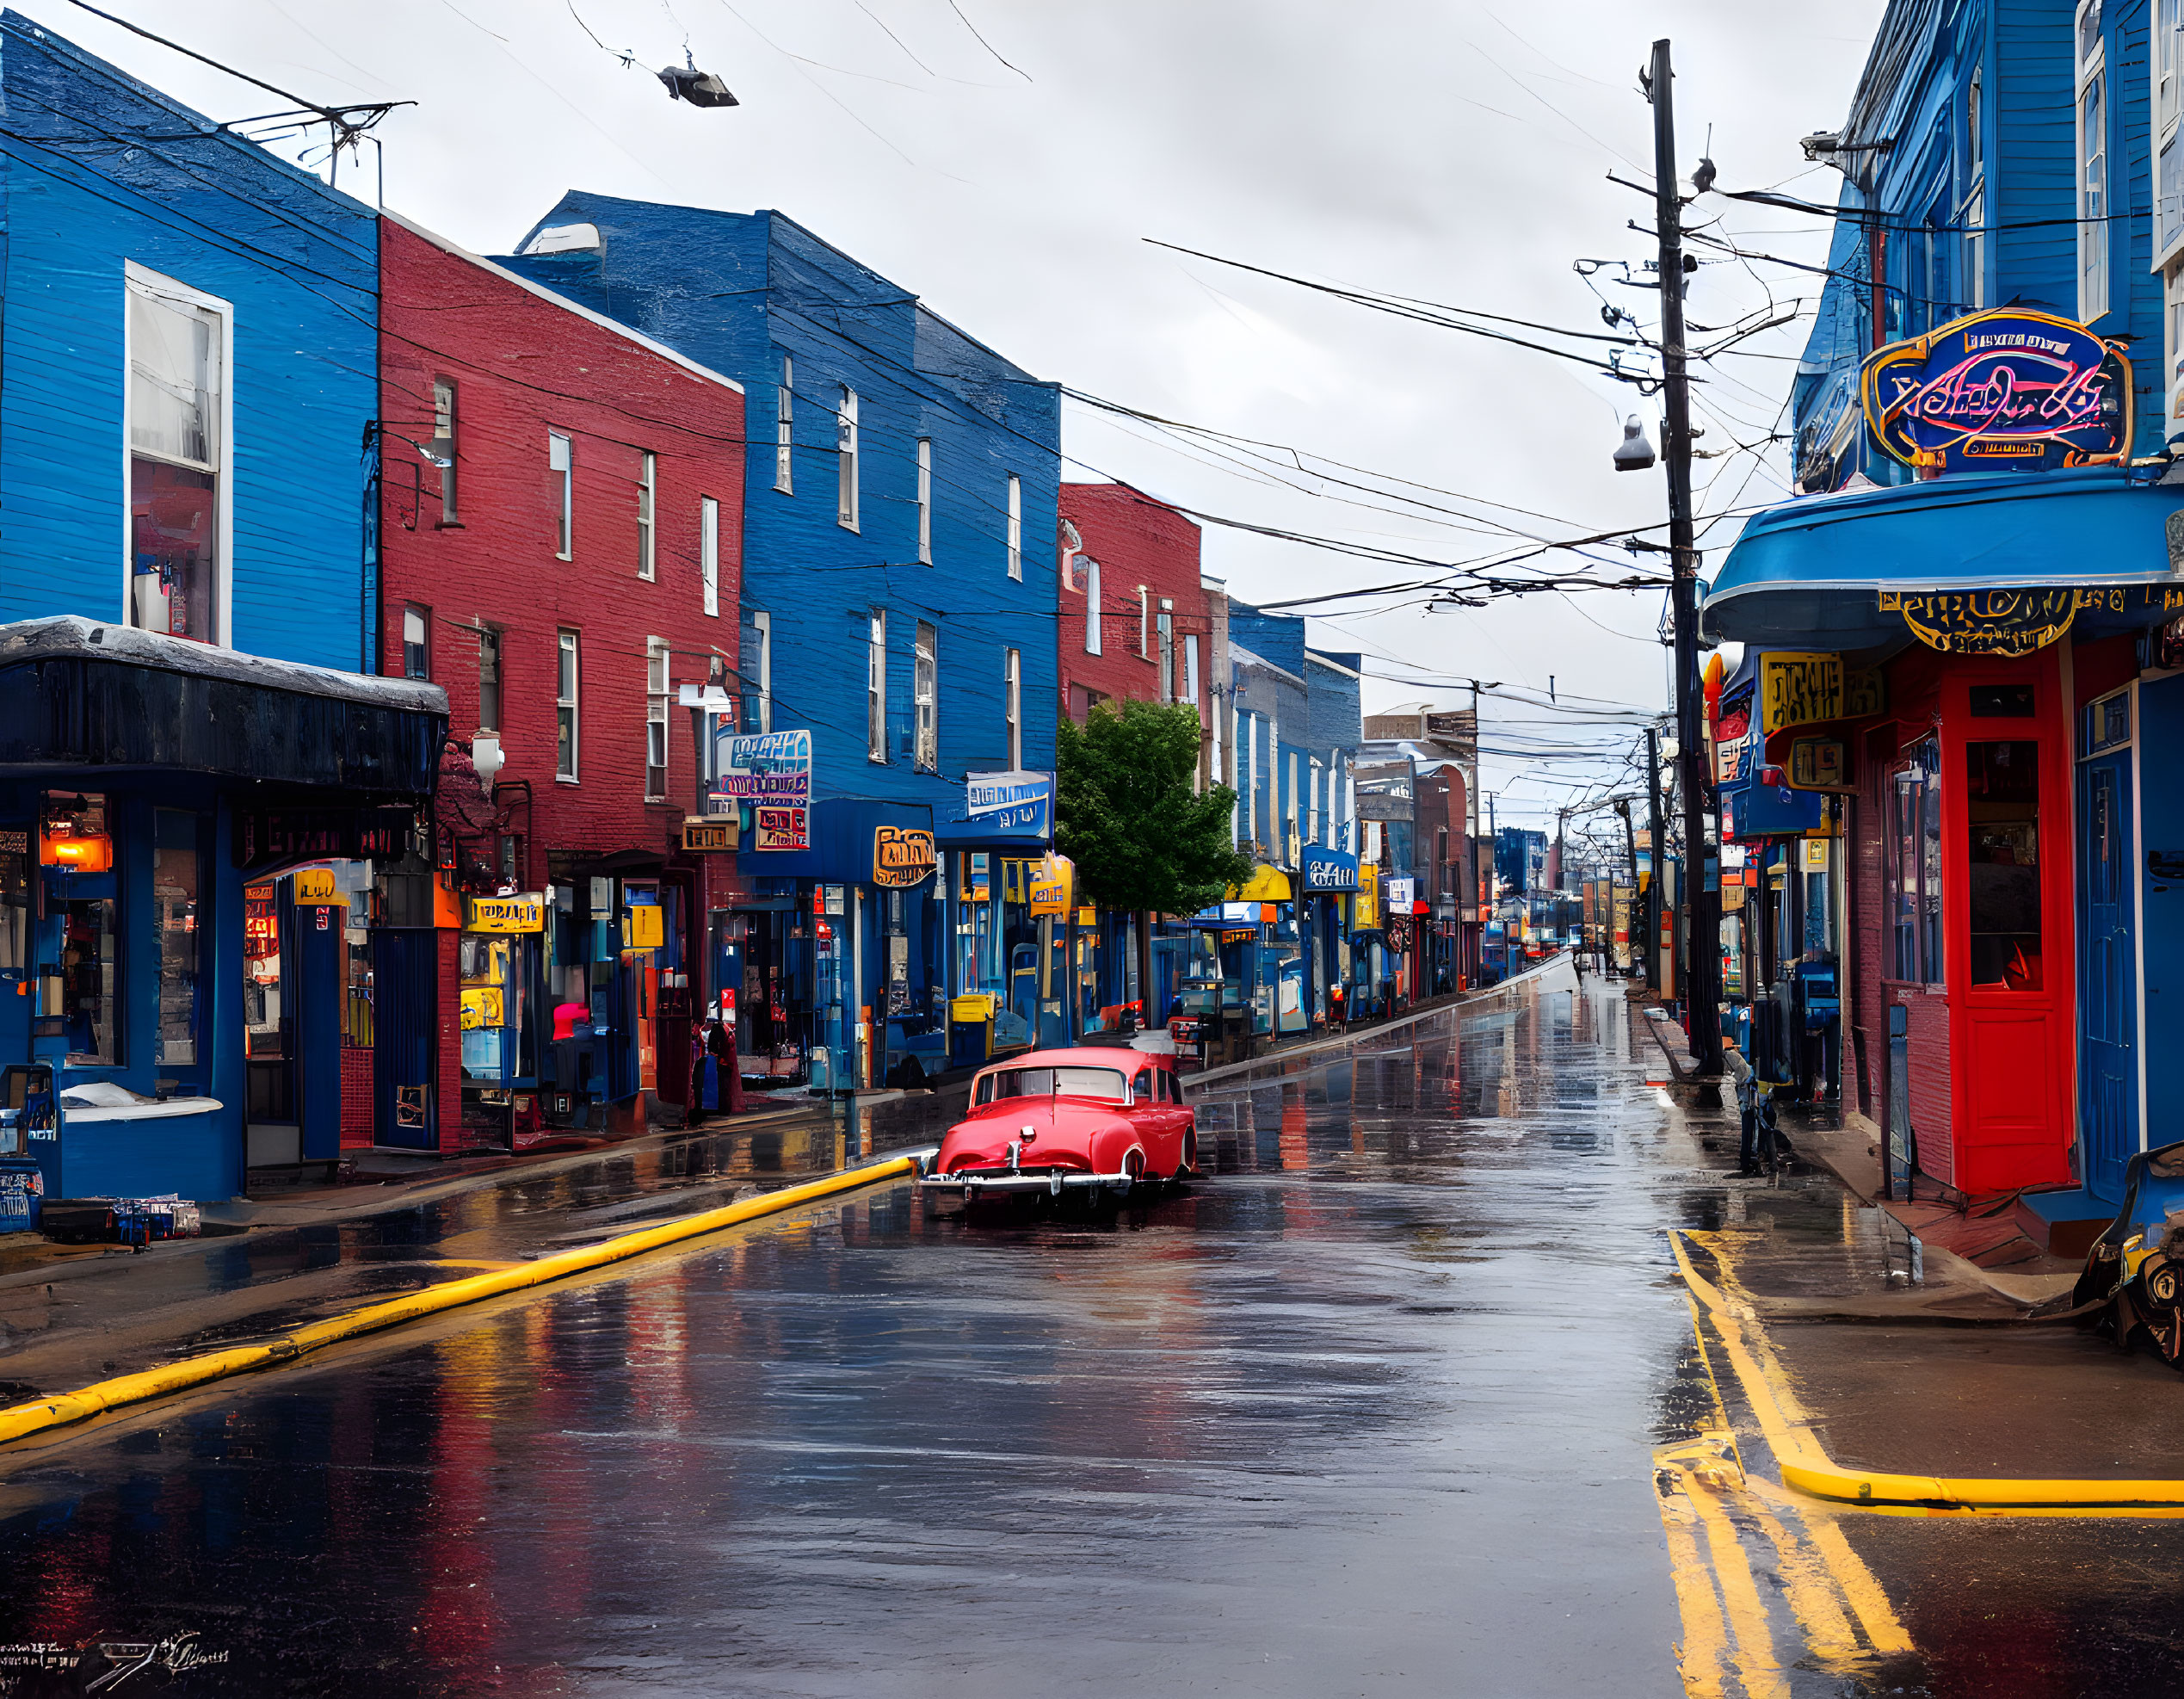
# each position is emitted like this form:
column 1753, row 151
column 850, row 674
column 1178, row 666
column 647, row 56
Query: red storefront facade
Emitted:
column 561, row 531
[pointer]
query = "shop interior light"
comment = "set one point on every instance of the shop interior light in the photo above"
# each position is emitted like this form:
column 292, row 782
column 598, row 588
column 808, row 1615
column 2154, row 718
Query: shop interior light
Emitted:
column 85, row 853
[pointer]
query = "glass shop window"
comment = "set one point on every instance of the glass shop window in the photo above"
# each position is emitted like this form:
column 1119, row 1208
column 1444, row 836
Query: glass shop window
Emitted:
column 90, row 960
column 175, row 902
column 1915, row 883
column 2003, row 884
column 15, row 900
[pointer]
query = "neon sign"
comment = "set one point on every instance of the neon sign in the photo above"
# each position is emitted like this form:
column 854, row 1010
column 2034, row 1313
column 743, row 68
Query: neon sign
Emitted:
column 2006, row 390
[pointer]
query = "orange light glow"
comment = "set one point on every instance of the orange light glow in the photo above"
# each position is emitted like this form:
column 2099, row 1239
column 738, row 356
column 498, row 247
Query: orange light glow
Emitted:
column 89, row 853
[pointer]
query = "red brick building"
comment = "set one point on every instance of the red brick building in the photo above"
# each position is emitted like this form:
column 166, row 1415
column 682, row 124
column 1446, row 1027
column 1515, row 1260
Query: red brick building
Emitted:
column 560, row 551
column 1134, row 607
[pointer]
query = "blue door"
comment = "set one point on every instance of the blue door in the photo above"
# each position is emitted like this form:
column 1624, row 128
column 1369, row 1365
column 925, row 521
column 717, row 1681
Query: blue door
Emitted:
column 2107, row 1004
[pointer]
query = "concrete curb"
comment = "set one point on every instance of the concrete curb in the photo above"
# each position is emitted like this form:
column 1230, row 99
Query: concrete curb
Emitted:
column 23, row 1420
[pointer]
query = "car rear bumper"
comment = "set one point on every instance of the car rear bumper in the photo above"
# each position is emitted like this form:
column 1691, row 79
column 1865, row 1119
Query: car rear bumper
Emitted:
column 1004, row 1182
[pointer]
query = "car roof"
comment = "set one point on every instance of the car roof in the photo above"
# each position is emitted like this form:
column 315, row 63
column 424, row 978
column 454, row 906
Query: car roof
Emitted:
column 1088, row 1056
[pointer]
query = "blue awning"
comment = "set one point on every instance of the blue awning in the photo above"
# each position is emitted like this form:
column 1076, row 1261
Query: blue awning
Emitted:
column 1809, row 574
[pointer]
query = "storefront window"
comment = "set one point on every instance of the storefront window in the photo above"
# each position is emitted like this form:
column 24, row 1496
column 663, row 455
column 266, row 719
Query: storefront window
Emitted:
column 1914, row 867
column 89, row 959
column 15, row 900
column 2002, row 810
column 174, row 895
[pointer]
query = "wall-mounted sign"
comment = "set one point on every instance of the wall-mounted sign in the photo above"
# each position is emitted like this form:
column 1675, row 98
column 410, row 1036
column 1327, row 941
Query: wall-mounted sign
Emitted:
column 484, row 1006
column 1799, row 689
column 1402, row 893
column 315, row 885
column 643, row 927
column 1365, row 912
column 700, row 832
column 1818, row 763
column 1323, row 871
column 261, row 928
column 1053, row 886
column 767, row 767
column 526, row 913
column 902, row 859
column 1985, row 622
column 1014, row 801
column 1729, row 732
column 2004, row 390
column 782, row 828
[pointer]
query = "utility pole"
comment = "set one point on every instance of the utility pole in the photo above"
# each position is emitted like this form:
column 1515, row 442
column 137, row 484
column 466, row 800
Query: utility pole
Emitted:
column 1657, row 856
column 1701, row 907
column 1631, row 920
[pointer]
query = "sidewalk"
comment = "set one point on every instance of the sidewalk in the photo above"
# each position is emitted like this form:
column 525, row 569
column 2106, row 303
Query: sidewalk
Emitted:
column 69, row 1315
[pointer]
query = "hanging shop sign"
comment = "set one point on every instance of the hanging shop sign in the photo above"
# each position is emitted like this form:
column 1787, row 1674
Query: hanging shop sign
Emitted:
column 524, row 913
column 1800, row 688
column 1999, row 390
column 1367, row 915
column 1985, row 622
column 1816, row 854
column 261, row 932
column 702, row 832
column 901, row 858
column 1014, row 801
column 643, row 927
column 1053, row 886
column 1329, row 870
column 1730, row 732
column 782, row 828
column 1402, row 893
column 763, row 767
column 1397, row 931
column 315, row 885
column 1819, row 763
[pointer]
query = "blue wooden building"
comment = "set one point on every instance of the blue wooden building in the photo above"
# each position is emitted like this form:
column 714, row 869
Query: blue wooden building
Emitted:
column 900, row 601
column 188, row 386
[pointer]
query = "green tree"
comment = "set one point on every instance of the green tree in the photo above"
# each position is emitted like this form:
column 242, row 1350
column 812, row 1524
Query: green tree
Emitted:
column 1125, row 814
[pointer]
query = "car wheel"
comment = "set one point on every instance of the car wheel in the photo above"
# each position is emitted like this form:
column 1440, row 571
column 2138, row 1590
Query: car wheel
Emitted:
column 1187, row 1158
column 1133, row 1164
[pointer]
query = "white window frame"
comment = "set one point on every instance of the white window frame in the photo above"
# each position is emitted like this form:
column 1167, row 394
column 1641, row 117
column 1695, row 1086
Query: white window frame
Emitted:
column 648, row 493
column 2094, row 250
column 709, row 554
column 1091, row 604
column 1971, row 209
column 1016, row 527
column 446, row 413
column 561, row 459
column 657, row 672
column 876, row 686
column 420, row 617
column 1012, row 672
column 568, row 665
column 925, row 501
column 845, row 422
column 2165, row 73
column 925, row 699
column 142, row 280
column 1190, row 668
column 494, row 637
column 1311, row 818
column 785, row 428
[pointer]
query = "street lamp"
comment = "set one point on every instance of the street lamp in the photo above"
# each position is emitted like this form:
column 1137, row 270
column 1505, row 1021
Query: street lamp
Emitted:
column 1634, row 453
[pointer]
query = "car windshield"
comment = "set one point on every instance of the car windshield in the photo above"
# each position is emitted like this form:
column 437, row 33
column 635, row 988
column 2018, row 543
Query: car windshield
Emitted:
column 1047, row 1082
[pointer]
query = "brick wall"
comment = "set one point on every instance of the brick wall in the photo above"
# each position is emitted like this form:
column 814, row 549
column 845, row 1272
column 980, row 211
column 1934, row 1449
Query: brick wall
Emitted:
column 1137, row 540
column 524, row 365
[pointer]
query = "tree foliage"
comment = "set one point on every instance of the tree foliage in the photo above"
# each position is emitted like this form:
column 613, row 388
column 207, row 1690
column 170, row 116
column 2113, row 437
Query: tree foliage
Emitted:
column 1126, row 816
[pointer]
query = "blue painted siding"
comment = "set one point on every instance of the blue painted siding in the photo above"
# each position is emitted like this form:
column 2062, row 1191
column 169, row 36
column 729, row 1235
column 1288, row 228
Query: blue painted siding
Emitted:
column 738, row 292
column 298, row 262
column 1913, row 94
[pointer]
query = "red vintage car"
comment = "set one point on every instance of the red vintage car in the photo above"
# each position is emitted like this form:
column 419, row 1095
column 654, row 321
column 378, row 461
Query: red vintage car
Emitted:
column 1060, row 1122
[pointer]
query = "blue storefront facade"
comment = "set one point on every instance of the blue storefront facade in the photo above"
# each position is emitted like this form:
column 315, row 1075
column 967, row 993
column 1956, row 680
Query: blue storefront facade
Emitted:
column 912, row 475
column 188, row 372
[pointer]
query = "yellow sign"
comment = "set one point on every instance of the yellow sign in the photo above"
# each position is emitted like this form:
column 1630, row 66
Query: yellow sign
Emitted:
column 1816, row 854
column 1799, row 689
column 526, row 913
column 901, row 858
column 1818, row 763
column 315, row 885
column 1088, row 917
column 484, row 1006
column 1986, row 621
column 705, row 832
column 643, row 927
column 1367, row 917
column 1053, row 885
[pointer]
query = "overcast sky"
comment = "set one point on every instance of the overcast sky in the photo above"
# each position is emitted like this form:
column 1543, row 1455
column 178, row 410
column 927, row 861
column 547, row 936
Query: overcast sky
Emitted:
column 1456, row 152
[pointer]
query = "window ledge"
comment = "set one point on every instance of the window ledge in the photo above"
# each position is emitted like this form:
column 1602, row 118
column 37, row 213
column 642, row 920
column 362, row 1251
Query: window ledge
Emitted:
column 448, row 525
column 564, row 779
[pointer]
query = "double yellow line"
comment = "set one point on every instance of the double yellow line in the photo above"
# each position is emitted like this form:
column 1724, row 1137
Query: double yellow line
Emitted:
column 21, row 1421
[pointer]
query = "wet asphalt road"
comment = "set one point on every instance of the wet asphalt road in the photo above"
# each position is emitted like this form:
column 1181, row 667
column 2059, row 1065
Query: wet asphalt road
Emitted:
column 1368, row 1410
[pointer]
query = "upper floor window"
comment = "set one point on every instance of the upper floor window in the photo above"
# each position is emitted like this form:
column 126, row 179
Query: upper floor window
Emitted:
column 564, row 709
column 417, row 655
column 925, row 697
column 2167, row 74
column 1012, row 672
column 1015, row 526
column 561, row 462
column 489, row 679
column 442, row 449
column 757, row 666
column 845, row 512
column 709, row 553
column 1166, row 621
column 179, row 343
column 655, row 719
column 876, row 687
column 925, row 500
column 1190, row 668
column 2093, row 164
column 784, row 426
column 1091, row 605
column 648, row 489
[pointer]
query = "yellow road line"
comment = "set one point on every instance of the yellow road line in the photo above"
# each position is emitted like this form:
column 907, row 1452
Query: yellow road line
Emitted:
column 1703, row 1658
column 19, row 1421
column 1806, row 1467
column 1757, row 1666
column 1827, row 1633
